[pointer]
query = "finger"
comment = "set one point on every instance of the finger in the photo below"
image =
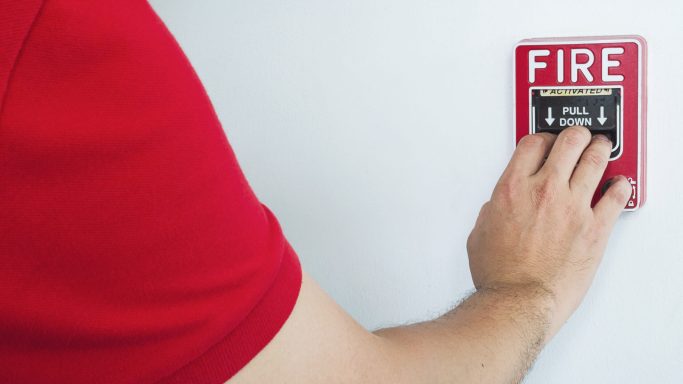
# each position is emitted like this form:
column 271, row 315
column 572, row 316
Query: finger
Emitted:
column 566, row 152
column 613, row 202
column 530, row 154
column 591, row 167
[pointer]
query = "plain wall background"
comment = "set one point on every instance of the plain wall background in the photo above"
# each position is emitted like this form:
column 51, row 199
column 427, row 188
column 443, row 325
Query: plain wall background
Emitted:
column 376, row 129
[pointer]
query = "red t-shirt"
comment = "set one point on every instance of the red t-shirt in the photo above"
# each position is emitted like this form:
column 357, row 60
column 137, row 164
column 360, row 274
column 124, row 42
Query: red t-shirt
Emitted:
column 132, row 249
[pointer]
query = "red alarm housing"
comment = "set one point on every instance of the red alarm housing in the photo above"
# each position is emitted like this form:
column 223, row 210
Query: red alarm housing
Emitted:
column 596, row 82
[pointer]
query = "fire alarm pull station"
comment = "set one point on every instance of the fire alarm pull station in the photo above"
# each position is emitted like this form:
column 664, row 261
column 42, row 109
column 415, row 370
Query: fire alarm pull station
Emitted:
column 597, row 82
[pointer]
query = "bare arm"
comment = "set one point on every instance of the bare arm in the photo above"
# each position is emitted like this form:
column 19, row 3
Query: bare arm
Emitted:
column 533, row 254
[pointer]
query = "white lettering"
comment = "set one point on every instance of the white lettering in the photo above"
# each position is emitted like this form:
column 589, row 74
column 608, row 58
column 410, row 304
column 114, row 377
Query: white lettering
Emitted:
column 607, row 63
column 575, row 111
column 576, row 64
column 533, row 64
column 583, row 67
column 560, row 66
column 571, row 121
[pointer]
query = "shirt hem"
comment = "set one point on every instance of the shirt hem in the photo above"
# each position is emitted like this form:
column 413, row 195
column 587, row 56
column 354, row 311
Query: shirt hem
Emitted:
column 225, row 358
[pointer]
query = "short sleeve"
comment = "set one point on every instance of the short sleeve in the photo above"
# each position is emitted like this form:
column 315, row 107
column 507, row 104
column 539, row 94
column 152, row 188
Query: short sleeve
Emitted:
column 132, row 248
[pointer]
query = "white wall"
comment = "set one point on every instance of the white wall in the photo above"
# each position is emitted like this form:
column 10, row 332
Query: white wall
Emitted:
column 376, row 129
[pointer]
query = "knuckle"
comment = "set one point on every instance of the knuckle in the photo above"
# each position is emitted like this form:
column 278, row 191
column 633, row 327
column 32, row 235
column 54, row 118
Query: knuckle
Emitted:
column 576, row 135
column 546, row 135
column 507, row 190
column 532, row 140
column 595, row 158
column 551, row 170
column 544, row 192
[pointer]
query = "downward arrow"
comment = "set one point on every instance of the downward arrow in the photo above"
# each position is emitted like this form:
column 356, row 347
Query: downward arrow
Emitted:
column 602, row 117
column 550, row 119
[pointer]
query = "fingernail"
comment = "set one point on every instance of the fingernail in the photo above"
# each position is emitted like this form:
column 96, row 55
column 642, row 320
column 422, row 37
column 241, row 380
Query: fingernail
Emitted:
column 602, row 138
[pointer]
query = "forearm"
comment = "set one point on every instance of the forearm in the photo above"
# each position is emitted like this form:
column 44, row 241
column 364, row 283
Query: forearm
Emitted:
column 491, row 337
column 538, row 227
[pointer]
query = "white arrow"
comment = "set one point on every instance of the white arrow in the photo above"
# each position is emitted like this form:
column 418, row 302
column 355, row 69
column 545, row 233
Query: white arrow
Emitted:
column 602, row 117
column 550, row 119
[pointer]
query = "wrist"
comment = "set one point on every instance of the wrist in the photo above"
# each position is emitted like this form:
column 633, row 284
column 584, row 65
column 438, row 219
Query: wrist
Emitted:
column 532, row 304
column 532, row 290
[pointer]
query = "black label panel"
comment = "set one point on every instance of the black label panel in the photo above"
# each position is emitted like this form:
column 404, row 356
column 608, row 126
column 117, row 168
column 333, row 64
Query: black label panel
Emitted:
column 594, row 108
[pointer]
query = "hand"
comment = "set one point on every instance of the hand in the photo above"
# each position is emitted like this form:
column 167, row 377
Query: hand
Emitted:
column 538, row 230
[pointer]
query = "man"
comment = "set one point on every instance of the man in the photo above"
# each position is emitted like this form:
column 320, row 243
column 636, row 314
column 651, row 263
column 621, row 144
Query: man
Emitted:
column 533, row 253
column 133, row 250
